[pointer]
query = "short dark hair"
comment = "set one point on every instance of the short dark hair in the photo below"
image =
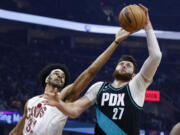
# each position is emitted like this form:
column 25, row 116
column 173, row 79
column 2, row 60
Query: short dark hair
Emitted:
column 131, row 59
column 47, row 70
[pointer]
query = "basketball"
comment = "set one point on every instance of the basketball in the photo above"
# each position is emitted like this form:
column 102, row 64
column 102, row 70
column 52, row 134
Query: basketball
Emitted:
column 132, row 18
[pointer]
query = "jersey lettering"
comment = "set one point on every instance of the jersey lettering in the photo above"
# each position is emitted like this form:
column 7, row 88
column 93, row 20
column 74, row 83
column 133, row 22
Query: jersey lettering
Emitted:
column 105, row 97
column 33, row 113
column 113, row 99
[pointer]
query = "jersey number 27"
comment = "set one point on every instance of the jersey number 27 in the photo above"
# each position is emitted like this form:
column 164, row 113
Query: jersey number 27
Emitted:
column 118, row 112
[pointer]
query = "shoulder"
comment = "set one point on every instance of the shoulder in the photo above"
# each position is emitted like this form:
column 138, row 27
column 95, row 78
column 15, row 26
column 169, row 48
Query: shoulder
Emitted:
column 34, row 98
column 176, row 129
column 97, row 84
column 95, row 87
column 92, row 92
column 140, row 81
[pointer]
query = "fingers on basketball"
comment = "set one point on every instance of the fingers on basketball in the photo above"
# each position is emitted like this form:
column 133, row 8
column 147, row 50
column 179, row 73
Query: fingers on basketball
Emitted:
column 144, row 8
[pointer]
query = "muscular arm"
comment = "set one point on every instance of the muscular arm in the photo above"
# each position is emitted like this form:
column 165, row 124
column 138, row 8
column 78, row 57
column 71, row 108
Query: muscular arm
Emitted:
column 73, row 91
column 18, row 130
column 152, row 62
column 74, row 109
column 142, row 80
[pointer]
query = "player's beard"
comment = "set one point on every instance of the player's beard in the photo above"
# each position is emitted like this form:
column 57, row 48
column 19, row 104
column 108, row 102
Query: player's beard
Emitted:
column 55, row 84
column 122, row 76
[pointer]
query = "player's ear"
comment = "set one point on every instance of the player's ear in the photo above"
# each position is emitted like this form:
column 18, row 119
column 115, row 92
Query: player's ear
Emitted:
column 47, row 79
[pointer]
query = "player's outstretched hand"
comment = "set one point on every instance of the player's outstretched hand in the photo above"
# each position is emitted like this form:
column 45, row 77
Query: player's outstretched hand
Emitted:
column 52, row 99
column 121, row 35
column 148, row 24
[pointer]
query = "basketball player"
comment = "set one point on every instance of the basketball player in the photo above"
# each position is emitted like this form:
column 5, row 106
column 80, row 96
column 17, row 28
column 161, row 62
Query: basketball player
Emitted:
column 40, row 119
column 119, row 103
column 175, row 130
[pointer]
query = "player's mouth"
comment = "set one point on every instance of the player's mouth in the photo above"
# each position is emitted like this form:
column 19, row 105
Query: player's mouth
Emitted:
column 58, row 79
column 123, row 70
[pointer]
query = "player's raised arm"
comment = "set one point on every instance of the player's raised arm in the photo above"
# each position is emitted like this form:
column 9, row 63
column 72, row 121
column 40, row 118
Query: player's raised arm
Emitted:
column 71, row 92
column 152, row 62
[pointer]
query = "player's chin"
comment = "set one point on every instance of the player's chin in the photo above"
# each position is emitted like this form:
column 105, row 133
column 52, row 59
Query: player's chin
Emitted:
column 57, row 84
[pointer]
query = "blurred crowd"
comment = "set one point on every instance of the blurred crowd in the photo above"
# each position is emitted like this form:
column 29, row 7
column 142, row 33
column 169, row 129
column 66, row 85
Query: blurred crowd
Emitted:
column 98, row 11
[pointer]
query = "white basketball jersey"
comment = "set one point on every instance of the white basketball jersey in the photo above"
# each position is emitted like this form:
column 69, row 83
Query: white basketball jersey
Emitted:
column 43, row 119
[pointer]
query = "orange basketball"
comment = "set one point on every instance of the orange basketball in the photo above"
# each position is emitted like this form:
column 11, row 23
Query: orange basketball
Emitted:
column 132, row 18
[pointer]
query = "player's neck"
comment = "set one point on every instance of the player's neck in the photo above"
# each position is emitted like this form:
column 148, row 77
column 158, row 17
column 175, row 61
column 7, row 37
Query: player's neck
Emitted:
column 49, row 88
column 119, row 83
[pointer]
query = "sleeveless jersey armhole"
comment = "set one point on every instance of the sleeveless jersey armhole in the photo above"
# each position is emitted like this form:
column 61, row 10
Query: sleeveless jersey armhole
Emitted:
column 132, row 100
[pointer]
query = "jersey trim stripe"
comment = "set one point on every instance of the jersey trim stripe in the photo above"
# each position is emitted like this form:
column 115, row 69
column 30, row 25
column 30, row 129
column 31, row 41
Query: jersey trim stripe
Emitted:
column 116, row 89
column 107, row 125
column 101, row 88
column 132, row 100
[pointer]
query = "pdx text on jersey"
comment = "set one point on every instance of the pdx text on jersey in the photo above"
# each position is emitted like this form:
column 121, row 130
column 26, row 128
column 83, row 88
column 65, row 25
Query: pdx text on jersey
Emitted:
column 112, row 99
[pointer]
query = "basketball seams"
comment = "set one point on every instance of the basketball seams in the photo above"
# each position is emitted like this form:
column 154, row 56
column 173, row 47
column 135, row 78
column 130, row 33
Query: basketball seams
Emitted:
column 133, row 16
column 143, row 16
column 142, row 20
column 126, row 22
column 122, row 21
column 140, row 16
